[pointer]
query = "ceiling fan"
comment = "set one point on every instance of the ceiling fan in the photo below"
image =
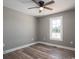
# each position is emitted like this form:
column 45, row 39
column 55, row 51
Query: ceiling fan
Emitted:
column 42, row 5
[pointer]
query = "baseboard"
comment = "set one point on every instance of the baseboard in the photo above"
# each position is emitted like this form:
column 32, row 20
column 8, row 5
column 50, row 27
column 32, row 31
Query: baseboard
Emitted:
column 20, row 47
column 60, row 46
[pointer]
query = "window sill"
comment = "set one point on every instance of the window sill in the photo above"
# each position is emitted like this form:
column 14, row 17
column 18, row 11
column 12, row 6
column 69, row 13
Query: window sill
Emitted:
column 56, row 39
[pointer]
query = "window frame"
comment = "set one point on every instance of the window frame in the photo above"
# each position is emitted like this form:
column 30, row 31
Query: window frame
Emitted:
column 53, row 18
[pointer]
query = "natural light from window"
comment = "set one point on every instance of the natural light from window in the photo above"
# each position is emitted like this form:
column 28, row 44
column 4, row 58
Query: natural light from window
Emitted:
column 56, row 28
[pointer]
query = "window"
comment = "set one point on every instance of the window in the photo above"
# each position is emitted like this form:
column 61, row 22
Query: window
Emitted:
column 56, row 30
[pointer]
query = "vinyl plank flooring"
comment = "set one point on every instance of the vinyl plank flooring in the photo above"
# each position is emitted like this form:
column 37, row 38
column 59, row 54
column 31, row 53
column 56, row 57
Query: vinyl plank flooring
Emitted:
column 40, row 51
column 17, row 55
column 37, row 53
column 54, row 51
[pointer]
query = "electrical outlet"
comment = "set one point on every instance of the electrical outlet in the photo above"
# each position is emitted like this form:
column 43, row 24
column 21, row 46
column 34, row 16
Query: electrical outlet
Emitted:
column 3, row 45
column 71, row 42
column 32, row 38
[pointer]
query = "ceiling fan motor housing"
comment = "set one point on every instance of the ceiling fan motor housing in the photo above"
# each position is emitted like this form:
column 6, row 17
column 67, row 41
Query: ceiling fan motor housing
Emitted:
column 41, row 3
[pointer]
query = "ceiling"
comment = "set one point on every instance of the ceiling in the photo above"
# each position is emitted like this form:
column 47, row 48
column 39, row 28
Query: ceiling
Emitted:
column 23, row 5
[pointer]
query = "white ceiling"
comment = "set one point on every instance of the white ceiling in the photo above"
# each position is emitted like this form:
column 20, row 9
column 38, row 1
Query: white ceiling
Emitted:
column 23, row 5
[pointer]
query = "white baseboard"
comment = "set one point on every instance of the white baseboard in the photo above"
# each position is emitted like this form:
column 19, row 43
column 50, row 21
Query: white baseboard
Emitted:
column 60, row 46
column 20, row 47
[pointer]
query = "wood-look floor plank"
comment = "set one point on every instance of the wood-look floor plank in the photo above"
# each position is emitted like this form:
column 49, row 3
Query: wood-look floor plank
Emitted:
column 37, row 54
column 40, row 51
column 17, row 55
column 55, row 51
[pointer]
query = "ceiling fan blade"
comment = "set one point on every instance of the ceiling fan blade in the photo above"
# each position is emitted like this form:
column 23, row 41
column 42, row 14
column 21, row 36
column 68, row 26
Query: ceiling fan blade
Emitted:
column 49, row 3
column 33, row 7
column 48, row 8
column 35, row 2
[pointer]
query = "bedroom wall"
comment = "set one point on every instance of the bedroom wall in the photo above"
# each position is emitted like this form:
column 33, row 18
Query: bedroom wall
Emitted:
column 18, row 28
column 68, row 28
column 21, row 29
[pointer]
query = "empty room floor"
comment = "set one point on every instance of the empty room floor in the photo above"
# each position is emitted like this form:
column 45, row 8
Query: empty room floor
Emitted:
column 40, row 51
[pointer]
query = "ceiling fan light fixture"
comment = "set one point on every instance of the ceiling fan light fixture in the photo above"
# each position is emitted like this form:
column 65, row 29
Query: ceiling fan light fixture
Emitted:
column 41, row 8
column 42, row 5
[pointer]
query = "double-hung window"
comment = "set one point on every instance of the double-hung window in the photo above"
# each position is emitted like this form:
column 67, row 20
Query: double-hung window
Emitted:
column 56, row 30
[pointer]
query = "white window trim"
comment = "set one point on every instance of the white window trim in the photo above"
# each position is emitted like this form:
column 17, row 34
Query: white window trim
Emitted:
column 61, row 28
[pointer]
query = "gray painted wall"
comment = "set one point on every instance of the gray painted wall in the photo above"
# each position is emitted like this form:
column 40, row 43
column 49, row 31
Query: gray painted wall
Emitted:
column 18, row 28
column 68, row 28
